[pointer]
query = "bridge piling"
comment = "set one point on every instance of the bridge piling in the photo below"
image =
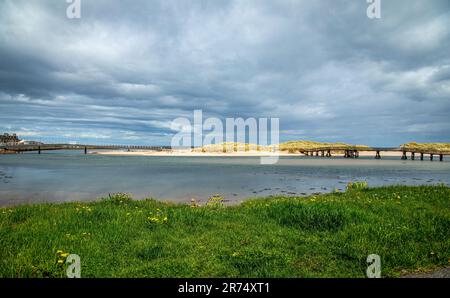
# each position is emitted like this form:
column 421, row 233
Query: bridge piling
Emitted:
column 404, row 157
column 421, row 156
column 377, row 155
column 349, row 154
column 441, row 157
column 39, row 150
column 413, row 155
column 85, row 150
column 431, row 157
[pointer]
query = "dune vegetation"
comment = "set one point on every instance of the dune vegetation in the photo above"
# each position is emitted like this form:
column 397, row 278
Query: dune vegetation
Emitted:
column 291, row 146
column 299, row 146
column 316, row 236
column 302, row 145
column 427, row 147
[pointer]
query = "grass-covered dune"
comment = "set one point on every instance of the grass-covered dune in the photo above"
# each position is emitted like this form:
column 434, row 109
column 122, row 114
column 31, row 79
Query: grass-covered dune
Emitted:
column 427, row 147
column 293, row 146
column 318, row 236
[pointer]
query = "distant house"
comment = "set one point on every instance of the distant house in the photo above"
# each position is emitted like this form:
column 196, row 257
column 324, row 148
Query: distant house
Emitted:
column 8, row 140
column 24, row 142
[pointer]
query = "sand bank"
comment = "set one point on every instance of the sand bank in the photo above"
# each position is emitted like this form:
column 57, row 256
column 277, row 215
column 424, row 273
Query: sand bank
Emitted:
column 189, row 153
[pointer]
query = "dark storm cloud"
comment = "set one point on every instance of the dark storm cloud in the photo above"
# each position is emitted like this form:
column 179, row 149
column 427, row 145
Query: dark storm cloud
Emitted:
column 126, row 69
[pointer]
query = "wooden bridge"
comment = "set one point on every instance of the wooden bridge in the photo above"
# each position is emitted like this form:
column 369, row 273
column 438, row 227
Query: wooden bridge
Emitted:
column 85, row 148
column 354, row 152
column 318, row 152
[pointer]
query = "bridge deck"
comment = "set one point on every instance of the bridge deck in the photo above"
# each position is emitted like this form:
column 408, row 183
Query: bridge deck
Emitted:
column 352, row 150
column 376, row 149
column 52, row 147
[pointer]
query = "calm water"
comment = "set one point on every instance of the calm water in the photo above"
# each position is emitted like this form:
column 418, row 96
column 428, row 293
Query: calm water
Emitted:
column 64, row 176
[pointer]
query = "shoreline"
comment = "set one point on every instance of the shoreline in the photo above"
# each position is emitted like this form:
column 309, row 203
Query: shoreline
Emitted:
column 189, row 153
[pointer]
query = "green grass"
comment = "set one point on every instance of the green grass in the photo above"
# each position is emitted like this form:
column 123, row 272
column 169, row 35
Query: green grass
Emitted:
column 318, row 236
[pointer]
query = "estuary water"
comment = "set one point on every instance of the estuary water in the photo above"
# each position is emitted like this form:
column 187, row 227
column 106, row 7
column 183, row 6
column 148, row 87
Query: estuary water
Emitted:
column 72, row 176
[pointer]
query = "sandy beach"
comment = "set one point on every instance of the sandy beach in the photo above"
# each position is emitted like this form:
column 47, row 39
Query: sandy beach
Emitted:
column 382, row 153
column 190, row 153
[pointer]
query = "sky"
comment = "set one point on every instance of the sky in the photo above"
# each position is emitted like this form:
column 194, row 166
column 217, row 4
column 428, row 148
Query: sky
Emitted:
column 125, row 70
